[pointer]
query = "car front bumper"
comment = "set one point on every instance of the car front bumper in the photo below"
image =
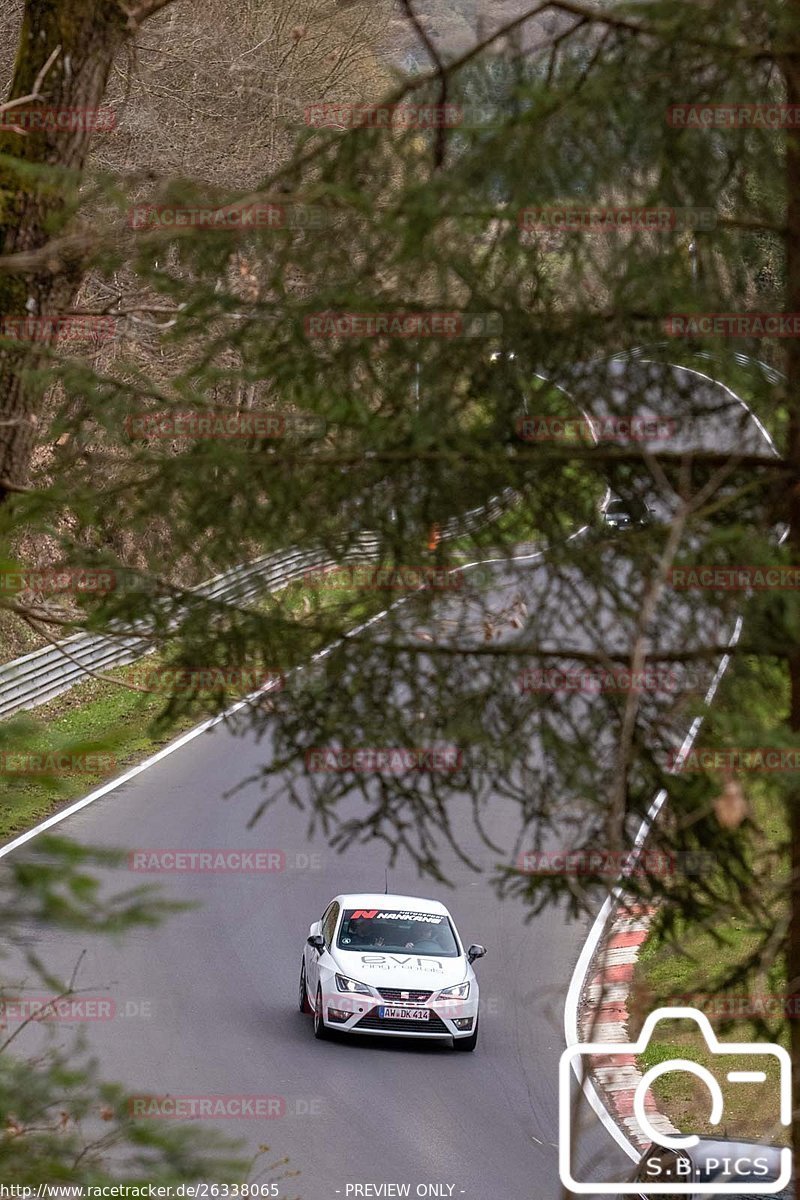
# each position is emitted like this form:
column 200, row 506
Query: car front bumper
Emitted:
column 360, row 1015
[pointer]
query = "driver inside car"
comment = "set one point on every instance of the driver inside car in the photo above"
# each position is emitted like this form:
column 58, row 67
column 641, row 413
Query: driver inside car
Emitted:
column 426, row 942
column 364, row 933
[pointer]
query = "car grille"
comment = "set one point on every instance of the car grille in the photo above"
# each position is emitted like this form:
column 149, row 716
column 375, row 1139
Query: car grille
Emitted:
column 404, row 996
column 398, row 1025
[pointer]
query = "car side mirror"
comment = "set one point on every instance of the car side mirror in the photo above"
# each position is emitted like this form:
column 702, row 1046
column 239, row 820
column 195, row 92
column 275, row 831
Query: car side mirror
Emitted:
column 475, row 951
column 317, row 941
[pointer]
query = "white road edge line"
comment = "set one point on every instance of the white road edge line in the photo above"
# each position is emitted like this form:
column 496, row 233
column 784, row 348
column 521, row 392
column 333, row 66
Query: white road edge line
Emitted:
column 577, row 982
column 595, row 933
column 211, row 722
column 189, row 736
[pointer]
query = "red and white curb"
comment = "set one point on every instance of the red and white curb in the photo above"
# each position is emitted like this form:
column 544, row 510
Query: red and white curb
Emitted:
column 605, row 1018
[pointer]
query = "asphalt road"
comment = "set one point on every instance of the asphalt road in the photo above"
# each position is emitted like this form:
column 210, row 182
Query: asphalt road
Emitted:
column 206, row 1004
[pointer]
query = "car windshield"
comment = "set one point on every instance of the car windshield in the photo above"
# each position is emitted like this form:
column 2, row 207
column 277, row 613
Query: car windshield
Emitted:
column 397, row 930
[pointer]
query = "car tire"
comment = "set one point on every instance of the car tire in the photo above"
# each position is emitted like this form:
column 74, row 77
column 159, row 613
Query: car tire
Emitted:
column 467, row 1043
column 302, row 996
column 320, row 1028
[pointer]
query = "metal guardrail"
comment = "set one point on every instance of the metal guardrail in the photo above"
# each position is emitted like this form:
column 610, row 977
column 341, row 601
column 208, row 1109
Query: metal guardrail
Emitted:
column 44, row 674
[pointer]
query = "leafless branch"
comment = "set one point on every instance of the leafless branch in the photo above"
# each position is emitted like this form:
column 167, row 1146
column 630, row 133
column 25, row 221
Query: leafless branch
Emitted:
column 140, row 13
column 37, row 86
column 70, row 990
column 440, row 143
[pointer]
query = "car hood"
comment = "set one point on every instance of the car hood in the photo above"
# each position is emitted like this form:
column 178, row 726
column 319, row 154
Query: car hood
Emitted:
column 401, row 969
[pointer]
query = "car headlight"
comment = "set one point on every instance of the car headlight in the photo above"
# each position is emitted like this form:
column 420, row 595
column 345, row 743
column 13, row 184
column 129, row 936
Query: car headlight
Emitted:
column 459, row 992
column 343, row 984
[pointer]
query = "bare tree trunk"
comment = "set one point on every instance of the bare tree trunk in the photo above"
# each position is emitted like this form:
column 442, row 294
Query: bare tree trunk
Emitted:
column 87, row 34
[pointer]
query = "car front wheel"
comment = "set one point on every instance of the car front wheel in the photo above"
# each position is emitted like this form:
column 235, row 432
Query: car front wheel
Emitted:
column 303, row 1004
column 467, row 1043
column 320, row 1028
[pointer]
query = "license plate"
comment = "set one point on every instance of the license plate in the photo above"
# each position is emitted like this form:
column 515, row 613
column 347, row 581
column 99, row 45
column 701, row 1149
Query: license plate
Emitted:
column 405, row 1014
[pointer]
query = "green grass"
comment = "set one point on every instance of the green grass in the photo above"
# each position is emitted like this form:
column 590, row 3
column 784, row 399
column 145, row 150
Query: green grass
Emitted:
column 749, row 1109
column 128, row 724
column 688, row 970
column 91, row 712
column 103, row 714
column 730, row 965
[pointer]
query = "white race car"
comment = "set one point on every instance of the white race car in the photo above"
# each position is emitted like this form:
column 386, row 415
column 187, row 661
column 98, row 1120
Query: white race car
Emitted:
column 390, row 965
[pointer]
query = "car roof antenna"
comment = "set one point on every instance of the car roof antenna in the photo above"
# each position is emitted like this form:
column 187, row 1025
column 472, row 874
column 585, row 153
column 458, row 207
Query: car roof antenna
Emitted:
column 386, row 876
